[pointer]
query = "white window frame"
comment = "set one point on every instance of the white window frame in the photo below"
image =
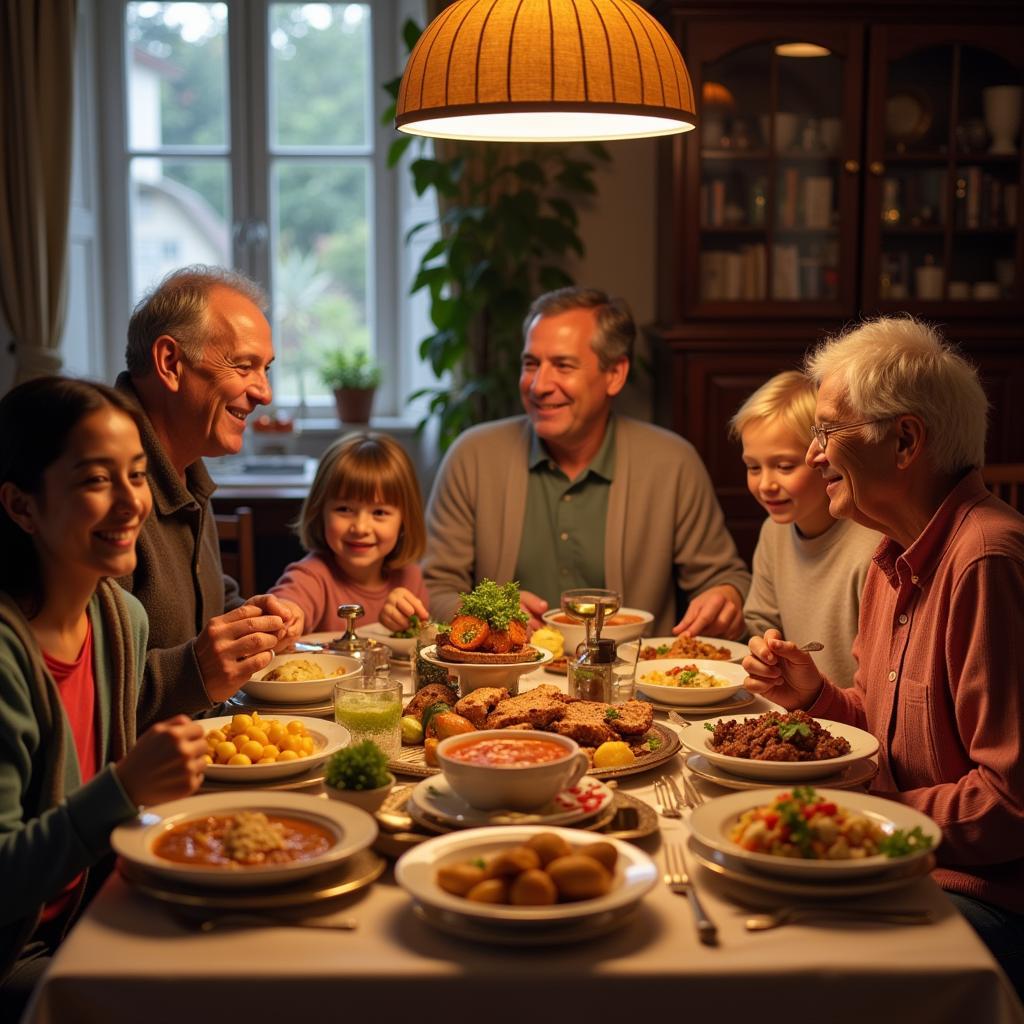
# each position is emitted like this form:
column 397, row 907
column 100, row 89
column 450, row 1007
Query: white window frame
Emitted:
column 249, row 157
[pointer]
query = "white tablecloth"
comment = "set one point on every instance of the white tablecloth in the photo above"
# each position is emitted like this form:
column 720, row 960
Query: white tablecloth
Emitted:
column 129, row 960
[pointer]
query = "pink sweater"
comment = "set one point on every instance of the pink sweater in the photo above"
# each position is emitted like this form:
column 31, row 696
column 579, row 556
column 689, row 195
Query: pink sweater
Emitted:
column 941, row 685
column 318, row 586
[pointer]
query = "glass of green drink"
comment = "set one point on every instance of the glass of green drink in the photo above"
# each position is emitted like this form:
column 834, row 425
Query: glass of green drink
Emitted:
column 371, row 709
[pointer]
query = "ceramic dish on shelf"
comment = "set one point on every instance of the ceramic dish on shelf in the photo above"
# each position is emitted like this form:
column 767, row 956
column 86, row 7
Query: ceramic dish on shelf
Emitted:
column 274, row 691
column 697, row 738
column 435, row 798
column 350, row 875
column 348, row 828
column 473, row 676
column 736, row 651
column 853, row 776
column 733, row 870
column 740, row 700
column 402, row 647
column 652, row 680
column 712, row 822
column 327, row 738
column 416, row 873
column 625, row 625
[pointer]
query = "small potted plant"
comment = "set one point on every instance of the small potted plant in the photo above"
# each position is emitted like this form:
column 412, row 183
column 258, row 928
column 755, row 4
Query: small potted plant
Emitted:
column 359, row 775
column 353, row 377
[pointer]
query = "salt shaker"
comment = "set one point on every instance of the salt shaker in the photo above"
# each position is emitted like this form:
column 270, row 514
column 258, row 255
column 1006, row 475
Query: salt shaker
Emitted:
column 591, row 675
column 371, row 654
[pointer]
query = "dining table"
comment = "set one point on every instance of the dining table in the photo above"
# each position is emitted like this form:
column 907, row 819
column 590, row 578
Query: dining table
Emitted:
column 130, row 959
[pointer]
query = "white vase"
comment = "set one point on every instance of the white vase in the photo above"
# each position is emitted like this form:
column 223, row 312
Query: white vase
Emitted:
column 1002, row 116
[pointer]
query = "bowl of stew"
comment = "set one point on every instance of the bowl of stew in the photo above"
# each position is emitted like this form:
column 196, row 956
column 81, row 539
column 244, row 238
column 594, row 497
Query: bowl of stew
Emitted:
column 625, row 625
column 516, row 770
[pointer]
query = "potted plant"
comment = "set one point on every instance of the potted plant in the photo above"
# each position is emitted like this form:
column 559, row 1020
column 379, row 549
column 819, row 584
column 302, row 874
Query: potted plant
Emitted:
column 359, row 775
column 353, row 377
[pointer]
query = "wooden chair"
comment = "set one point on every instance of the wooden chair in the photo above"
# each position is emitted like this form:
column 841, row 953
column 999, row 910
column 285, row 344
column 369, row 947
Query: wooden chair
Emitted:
column 237, row 550
column 1006, row 480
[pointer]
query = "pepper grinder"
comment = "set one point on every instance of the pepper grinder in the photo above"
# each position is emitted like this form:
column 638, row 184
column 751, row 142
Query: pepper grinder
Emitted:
column 369, row 653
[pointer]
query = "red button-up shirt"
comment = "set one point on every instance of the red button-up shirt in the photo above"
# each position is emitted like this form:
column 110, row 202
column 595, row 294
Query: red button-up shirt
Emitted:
column 940, row 683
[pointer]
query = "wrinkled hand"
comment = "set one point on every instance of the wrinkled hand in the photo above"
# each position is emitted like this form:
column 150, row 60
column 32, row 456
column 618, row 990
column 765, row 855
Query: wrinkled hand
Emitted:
column 166, row 762
column 401, row 605
column 780, row 671
column 717, row 612
column 233, row 646
column 534, row 606
column 293, row 617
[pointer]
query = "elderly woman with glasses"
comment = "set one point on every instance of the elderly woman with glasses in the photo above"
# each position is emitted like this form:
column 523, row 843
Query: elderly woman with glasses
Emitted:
column 899, row 438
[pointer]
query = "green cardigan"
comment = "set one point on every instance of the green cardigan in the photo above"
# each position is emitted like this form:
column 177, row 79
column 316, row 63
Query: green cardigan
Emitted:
column 51, row 826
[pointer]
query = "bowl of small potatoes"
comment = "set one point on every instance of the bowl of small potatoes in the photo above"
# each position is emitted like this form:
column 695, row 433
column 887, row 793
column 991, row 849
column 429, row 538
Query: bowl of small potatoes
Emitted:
column 300, row 678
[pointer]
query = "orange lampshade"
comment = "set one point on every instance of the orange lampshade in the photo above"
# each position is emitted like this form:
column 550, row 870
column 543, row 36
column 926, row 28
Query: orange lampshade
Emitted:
column 544, row 70
column 714, row 94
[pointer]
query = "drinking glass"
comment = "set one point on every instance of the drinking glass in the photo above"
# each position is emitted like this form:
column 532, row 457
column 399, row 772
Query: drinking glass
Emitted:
column 591, row 606
column 370, row 708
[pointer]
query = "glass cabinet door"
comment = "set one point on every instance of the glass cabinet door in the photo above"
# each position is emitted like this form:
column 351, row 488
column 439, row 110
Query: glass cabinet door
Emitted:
column 773, row 163
column 944, row 180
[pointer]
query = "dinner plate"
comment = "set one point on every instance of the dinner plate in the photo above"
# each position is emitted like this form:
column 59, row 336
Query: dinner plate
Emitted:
column 352, row 830
column 416, row 871
column 473, row 930
column 307, row 780
column 435, row 798
column 737, row 651
column 853, row 776
column 327, row 738
column 304, row 691
column 400, row 646
column 742, row 699
column 832, row 889
column 698, row 735
column 731, row 674
column 247, row 705
column 712, row 821
column 410, row 760
column 351, row 875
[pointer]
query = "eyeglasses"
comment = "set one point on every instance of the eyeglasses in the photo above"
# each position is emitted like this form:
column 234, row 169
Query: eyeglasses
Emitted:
column 822, row 434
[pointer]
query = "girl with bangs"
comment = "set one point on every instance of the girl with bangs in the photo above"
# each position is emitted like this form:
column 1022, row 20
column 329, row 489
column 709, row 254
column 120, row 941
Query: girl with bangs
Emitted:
column 362, row 524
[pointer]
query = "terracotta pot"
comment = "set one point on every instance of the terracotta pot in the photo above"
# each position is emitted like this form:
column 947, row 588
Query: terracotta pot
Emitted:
column 354, row 404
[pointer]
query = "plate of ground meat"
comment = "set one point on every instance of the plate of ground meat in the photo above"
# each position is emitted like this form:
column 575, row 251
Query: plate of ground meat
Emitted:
column 779, row 746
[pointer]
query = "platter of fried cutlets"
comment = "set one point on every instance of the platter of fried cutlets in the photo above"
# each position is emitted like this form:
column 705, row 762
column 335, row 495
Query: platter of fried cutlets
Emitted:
column 546, row 708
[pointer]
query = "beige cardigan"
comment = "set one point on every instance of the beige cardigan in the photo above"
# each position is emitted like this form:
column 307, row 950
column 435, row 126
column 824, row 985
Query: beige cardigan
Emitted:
column 664, row 528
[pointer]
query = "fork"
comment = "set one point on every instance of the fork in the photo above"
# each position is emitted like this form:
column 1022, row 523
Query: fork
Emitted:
column 678, row 880
column 794, row 915
column 668, row 805
column 694, row 797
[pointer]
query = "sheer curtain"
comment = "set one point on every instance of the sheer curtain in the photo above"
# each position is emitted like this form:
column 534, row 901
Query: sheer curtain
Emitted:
column 37, row 49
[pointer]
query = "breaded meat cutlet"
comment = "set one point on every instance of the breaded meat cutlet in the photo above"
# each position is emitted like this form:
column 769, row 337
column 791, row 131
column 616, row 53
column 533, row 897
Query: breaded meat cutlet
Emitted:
column 538, row 707
column 478, row 704
column 432, row 693
column 585, row 722
column 634, row 719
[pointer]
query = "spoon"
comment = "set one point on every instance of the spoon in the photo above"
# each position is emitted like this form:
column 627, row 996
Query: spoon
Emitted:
column 811, row 646
column 346, row 924
column 792, row 915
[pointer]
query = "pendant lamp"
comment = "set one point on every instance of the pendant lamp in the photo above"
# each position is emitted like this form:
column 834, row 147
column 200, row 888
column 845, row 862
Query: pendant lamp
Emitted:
column 544, row 71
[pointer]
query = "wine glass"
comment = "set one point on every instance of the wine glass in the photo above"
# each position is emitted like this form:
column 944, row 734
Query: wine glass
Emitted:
column 591, row 606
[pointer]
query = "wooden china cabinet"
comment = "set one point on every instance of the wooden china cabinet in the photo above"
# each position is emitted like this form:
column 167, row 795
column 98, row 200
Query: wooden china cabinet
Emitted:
column 850, row 159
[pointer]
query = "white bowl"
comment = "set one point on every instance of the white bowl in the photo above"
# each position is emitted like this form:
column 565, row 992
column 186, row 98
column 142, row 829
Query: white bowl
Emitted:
column 737, row 651
column 416, row 872
column 514, row 787
column 327, row 738
column 401, row 647
column 473, row 676
column 575, row 632
column 697, row 736
column 367, row 799
column 353, row 829
column 690, row 696
column 305, row 691
column 712, row 822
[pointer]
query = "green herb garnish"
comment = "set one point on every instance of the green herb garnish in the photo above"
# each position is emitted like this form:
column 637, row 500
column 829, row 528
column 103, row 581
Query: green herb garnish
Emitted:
column 496, row 605
column 662, row 649
column 410, row 631
column 611, row 714
column 478, row 862
column 787, row 730
column 709, row 727
column 653, row 743
column 361, row 766
column 902, row 843
column 685, row 677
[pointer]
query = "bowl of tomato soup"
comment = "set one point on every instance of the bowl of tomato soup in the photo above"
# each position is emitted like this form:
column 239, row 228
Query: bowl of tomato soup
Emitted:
column 625, row 625
column 517, row 770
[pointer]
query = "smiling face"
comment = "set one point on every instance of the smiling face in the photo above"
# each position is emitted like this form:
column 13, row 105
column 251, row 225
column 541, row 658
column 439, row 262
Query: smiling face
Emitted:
column 777, row 476
column 361, row 534
column 93, row 502
column 565, row 392
column 216, row 395
column 858, row 473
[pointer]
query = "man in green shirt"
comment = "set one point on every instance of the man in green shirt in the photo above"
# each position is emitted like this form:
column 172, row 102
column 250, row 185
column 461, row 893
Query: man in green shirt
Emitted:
column 571, row 495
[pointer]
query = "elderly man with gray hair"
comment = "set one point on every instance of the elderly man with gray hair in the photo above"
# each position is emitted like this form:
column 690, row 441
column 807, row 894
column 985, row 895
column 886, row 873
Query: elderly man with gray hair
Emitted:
column 899, row 438
column 198, row 351
column 571, row 495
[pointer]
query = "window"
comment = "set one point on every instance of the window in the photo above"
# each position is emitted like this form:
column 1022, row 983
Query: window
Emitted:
column 247, row 133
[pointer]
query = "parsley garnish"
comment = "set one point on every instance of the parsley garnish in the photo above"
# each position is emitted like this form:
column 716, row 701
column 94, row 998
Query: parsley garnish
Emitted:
column 903, row 843
column 685, row 677
column 410, row 631
column 662, row 649
column 496, row 605
column 787, row 730
column 653, row 743
column 611, row 714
